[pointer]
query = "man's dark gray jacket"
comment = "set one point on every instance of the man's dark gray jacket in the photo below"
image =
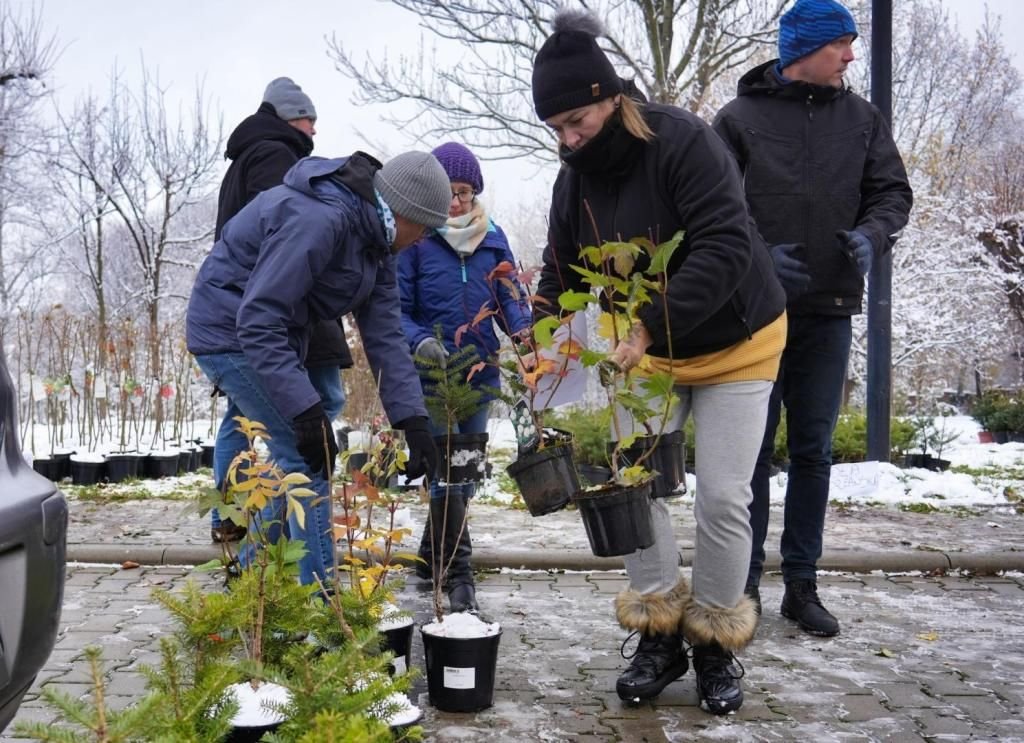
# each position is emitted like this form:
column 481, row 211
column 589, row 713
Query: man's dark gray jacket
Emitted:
column 816, row 160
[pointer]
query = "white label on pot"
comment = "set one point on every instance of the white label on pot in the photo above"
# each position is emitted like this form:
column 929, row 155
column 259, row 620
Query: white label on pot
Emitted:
column 399, row 664
column 459, row 678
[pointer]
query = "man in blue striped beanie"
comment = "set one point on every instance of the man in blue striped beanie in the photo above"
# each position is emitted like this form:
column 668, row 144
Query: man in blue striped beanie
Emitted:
column 827, row 187
column 811, row 24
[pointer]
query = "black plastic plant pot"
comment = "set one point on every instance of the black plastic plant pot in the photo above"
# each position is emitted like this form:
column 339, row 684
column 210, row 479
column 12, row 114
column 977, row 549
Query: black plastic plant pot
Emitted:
column 460, row 671
column 121, row 466
column 594, row 474
column 207, row 456
column 356, row 460
column 87, row 472
column 462, row 457
column 47, row 467
column 668, row 460
column 62, row 461
column 250, row 735
column 184, row 461
column 160, row 465
column 399, row 641
column 617, row 518
column 547, row 478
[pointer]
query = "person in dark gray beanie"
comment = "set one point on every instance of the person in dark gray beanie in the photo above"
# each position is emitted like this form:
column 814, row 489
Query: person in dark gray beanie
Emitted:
column 288, row 100
column 319, row 246
column 261, row 149
column 826, row 185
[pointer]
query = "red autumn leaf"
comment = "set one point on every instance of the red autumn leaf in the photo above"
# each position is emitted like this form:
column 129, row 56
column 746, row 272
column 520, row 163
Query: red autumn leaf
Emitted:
column 503, row 269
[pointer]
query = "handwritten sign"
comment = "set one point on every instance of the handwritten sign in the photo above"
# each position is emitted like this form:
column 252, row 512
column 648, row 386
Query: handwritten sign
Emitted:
column 856, row 479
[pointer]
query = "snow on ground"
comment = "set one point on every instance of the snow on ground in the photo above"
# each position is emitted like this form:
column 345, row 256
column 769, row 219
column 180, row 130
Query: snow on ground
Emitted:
column 996, row 470
column 875, row 483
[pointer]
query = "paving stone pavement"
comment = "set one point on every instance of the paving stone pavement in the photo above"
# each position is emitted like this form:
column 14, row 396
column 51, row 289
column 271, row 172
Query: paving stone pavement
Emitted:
column 933, row 658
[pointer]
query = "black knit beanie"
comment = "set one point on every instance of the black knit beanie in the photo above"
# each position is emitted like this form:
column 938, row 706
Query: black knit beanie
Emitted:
column 570, row 70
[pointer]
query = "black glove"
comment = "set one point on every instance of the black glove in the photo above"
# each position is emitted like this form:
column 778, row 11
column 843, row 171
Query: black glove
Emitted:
column 791, row 268
column 314, row 438
column 857, row 248
column 422, row 450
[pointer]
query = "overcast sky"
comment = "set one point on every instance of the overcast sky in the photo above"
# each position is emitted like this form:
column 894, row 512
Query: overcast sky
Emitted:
column 234, row 47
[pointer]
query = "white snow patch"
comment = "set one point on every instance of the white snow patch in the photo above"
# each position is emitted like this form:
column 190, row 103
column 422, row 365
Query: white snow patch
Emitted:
column 462, row 625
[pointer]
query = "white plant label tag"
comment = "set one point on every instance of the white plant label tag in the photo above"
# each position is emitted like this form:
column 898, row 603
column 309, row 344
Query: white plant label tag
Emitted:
column 399, row 665
column 459, row 678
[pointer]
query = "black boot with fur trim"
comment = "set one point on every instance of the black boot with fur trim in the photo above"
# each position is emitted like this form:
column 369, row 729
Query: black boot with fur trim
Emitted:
column 659, row 658
column 716, row 634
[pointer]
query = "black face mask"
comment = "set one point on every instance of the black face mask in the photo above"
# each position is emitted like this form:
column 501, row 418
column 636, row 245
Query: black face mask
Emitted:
column 611, row 153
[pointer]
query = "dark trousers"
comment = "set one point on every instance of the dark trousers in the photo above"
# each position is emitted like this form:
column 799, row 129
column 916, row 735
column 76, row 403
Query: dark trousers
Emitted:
column 810, row 385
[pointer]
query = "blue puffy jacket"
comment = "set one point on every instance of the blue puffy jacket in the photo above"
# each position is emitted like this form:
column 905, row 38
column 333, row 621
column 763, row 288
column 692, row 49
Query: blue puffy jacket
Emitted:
column 311, row 249
column 439, row 287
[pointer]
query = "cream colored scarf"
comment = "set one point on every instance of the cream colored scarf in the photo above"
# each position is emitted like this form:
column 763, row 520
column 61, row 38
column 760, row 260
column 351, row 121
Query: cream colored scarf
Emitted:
column 465, row 233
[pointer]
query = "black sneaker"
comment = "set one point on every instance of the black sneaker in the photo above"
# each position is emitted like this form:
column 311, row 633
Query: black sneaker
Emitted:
column 658, row 661
column 801, row 604
column 754, row 594
column 718, row 679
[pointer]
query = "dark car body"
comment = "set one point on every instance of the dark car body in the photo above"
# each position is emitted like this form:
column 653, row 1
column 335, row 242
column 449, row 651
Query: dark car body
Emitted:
column 33, row 545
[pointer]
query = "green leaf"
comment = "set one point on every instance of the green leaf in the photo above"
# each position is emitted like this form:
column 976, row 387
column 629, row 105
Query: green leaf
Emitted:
column 663, row 254
column 544, row 329
column 575, row 301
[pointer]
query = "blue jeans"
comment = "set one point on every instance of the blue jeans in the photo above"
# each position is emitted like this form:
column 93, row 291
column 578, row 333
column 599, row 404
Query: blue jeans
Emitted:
column 476, row 423
column 810, row 385
column 232, row 374
column 326, row 380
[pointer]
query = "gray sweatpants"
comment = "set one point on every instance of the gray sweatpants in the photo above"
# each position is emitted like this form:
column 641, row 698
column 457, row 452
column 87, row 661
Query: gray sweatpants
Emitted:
column 729, row 421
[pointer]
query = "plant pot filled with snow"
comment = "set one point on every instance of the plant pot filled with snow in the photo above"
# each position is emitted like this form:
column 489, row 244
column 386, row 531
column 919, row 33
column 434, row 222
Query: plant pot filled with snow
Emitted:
column 461, row 657
column 185, row 460
column 47, row 467
column 547, row 478
column 667, row 459
column 62, row 460
column 207, row 456
column 122, row 466
column 617, row 518
column 87, row 469
column 396, row 636
column 926, row 461
column 462, row 457
column 256, row 714
column 160, row 463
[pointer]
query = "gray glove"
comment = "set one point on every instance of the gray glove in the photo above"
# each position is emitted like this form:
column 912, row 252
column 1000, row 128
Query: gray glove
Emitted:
column 432, row 350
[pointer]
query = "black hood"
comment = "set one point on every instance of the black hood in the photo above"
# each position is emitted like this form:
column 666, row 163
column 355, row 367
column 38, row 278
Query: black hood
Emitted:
column 265, row 125
column 766, row 80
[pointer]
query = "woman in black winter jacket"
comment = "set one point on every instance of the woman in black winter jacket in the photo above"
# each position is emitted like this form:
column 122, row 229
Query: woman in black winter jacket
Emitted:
column 651, row 170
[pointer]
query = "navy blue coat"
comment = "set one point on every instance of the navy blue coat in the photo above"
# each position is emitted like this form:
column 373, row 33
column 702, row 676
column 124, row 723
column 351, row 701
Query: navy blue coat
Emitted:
column 439, row 287
column 311, row 249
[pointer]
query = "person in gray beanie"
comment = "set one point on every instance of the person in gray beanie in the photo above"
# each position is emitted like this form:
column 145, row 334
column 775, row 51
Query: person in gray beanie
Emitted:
column 288, row 100
column 826, row 185
column 261, row 149
column 321, row 245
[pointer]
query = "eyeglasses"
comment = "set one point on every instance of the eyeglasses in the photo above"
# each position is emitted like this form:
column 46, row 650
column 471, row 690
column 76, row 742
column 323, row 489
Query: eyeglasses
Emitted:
column 464, row 196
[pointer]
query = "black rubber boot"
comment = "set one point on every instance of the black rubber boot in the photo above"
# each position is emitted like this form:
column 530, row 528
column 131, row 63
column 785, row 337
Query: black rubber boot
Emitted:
column 458, row 549
column 461, row 586
column 423, row 569
column 658, row 661
column 801, row 604
column 718, row 678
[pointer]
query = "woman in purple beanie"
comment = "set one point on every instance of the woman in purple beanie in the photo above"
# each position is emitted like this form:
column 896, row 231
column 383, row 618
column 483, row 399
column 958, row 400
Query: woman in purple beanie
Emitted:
column 443, row 280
